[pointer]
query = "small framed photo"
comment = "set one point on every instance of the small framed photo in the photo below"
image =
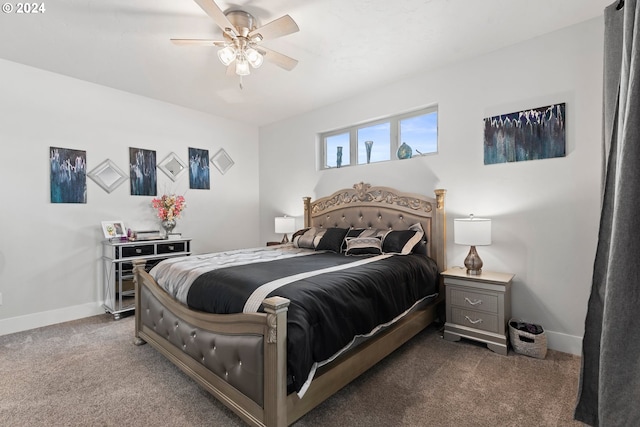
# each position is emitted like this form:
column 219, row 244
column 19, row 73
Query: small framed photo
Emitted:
column 113, row 229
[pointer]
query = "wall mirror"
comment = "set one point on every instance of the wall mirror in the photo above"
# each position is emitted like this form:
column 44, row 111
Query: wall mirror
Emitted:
column 108, row 176
column 222, row 161
column 172, row 166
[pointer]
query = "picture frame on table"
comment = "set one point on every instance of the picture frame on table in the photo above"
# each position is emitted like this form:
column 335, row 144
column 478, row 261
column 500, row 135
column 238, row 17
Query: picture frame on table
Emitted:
column 114, row 229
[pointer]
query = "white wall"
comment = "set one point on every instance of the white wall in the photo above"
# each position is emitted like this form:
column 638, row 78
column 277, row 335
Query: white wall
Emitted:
column 49, row 253
column 545, row 213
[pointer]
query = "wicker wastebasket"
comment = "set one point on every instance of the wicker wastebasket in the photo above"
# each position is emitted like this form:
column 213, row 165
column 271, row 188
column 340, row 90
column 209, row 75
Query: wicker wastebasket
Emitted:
column 527, row 343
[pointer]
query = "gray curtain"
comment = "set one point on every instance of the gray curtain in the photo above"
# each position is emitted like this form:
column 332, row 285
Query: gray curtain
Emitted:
column 609, row 393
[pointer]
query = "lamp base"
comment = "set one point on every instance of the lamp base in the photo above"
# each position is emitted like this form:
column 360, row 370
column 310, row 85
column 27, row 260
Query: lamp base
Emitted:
column 473, row 262
column 285, row 239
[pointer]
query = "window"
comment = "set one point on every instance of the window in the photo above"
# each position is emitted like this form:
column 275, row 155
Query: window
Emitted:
column 336, row 153
column 378, row 141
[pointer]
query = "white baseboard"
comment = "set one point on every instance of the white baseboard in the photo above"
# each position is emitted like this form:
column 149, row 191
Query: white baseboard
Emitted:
column 563, row 342
column 46, row 318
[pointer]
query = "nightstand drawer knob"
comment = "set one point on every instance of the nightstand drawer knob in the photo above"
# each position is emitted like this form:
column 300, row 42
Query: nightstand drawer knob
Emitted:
column 476, row 302
column 138, row 250
column 473, row 322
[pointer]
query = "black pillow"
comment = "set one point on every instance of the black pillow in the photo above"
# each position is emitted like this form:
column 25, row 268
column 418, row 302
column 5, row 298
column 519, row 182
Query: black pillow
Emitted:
column 332, row 240
column 401, row 242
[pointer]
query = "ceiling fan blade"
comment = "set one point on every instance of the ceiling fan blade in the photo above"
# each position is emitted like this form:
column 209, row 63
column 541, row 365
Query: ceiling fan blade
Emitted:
column 198, row 42
column 214, row 11
column 278, row 58
column 276, row 28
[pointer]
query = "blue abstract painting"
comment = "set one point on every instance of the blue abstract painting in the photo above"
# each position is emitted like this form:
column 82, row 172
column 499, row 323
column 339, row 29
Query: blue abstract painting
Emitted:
column 198, row 169
column 533, row 134
column 142, row 171
column 68, row 175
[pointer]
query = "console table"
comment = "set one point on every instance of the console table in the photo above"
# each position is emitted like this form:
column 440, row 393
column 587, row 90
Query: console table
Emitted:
column 117, row 259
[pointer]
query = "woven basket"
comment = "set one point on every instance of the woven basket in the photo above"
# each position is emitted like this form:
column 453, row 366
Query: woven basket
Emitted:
column 523, row 342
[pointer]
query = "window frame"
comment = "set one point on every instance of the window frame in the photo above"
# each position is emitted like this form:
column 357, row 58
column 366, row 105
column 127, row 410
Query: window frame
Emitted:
column 394, row 137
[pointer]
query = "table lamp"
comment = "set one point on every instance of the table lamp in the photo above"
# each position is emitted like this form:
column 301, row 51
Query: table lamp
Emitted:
column 285, row 224
column 473, row 232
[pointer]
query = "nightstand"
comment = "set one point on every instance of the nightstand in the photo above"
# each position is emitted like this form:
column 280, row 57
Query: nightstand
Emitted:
column 118, row 257
column 478, row 307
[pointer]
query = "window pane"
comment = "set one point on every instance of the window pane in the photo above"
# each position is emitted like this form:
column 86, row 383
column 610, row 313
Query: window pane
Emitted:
column 380, row 135
column 420, row 133
column 336, row 143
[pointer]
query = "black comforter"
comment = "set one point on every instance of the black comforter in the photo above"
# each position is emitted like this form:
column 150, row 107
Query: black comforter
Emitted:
column 326, row 310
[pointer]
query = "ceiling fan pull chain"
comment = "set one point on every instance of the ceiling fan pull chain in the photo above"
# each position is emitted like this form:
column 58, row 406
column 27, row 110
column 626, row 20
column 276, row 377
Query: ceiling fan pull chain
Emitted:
column 241, row 87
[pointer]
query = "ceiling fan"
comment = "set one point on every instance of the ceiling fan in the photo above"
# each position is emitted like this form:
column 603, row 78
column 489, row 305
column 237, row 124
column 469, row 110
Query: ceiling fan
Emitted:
column 241, row 46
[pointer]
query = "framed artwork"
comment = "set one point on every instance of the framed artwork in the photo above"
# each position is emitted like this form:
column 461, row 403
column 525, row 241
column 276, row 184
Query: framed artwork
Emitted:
column 68, row 175
column 222, row 161
column 113, row 229
column 107, row 175
column 538, row 133
column 172, row 166
column 199, row 169
column 142, row 172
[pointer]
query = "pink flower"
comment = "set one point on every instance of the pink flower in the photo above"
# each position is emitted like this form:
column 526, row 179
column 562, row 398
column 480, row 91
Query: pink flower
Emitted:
column 169, row 206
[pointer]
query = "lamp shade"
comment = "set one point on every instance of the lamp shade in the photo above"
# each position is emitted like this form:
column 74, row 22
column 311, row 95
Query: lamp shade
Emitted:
column 254, row 57
column 472, row 231
column 285, row 224
column 227, row 55
column 242, row 67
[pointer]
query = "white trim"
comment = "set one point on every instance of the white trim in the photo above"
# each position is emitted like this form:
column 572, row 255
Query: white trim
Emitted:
column 46, row 318
column 558, row 341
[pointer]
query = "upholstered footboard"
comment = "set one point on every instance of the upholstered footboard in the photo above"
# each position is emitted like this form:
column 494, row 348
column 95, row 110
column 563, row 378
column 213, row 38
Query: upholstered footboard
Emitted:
column 240, row 359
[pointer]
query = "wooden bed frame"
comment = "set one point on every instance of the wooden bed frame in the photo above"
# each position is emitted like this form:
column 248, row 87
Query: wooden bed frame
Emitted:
column 241, row 358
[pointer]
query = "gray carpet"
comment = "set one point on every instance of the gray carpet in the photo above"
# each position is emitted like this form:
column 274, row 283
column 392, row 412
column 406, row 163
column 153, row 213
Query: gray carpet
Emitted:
column 89, row 373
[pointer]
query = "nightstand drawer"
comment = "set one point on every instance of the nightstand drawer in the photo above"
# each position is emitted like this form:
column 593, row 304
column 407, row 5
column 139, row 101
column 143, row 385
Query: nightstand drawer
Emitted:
column 133, row 251
column 475, row 319
column 474, row 300
column 167, row 248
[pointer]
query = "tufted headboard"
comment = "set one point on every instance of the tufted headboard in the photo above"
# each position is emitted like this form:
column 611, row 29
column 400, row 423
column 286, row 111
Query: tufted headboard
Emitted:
column 364, row 206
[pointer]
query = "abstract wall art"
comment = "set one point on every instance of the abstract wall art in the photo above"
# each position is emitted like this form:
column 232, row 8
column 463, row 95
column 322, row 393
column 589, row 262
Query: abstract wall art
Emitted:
column 68, row 175
column 198, row 169
column 533, row 134
column 142, row 172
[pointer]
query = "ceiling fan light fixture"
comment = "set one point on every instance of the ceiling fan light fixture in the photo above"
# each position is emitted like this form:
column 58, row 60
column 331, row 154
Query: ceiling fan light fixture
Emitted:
column 227, row 55
column 242, row 67
column 254, row 57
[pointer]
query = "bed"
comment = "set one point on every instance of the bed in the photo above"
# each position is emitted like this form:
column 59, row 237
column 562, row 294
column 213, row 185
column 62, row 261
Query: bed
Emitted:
column 245, row 358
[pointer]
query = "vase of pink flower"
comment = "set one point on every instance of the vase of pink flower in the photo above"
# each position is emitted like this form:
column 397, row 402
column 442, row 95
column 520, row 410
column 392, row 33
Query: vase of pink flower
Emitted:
column 168, row 208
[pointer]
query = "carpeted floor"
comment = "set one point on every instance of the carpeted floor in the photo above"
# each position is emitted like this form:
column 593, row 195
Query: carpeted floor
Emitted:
column 89, row 373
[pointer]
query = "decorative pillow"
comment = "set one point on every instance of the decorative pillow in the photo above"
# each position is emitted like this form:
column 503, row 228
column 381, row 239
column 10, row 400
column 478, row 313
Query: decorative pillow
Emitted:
column 353, row 232
column 299, row 233
column 363, row 246
column 421, row 247
column 401, row 242
column 305, row 240
column 318, row 237
column 332, row 240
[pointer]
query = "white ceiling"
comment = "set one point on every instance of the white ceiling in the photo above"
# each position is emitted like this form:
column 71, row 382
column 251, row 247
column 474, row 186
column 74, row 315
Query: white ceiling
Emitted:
column 344, row 46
